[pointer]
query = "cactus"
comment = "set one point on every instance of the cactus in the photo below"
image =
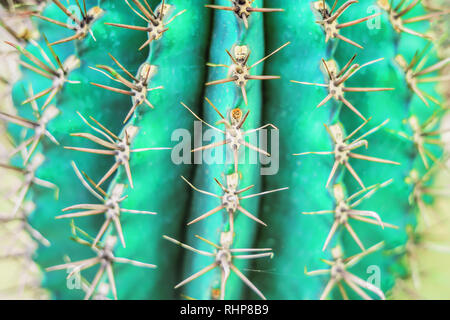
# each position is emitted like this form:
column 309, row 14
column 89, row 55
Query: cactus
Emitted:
column 314, row 117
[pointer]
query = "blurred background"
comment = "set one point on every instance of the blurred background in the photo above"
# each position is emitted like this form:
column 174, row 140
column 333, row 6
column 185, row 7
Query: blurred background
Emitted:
column 428, row 257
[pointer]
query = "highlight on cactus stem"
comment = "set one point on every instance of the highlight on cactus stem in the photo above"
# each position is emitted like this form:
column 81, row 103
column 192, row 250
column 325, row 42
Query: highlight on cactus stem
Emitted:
column 79, row 176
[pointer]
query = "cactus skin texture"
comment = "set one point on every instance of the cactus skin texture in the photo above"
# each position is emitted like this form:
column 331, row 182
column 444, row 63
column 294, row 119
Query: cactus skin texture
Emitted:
column 179, row 63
